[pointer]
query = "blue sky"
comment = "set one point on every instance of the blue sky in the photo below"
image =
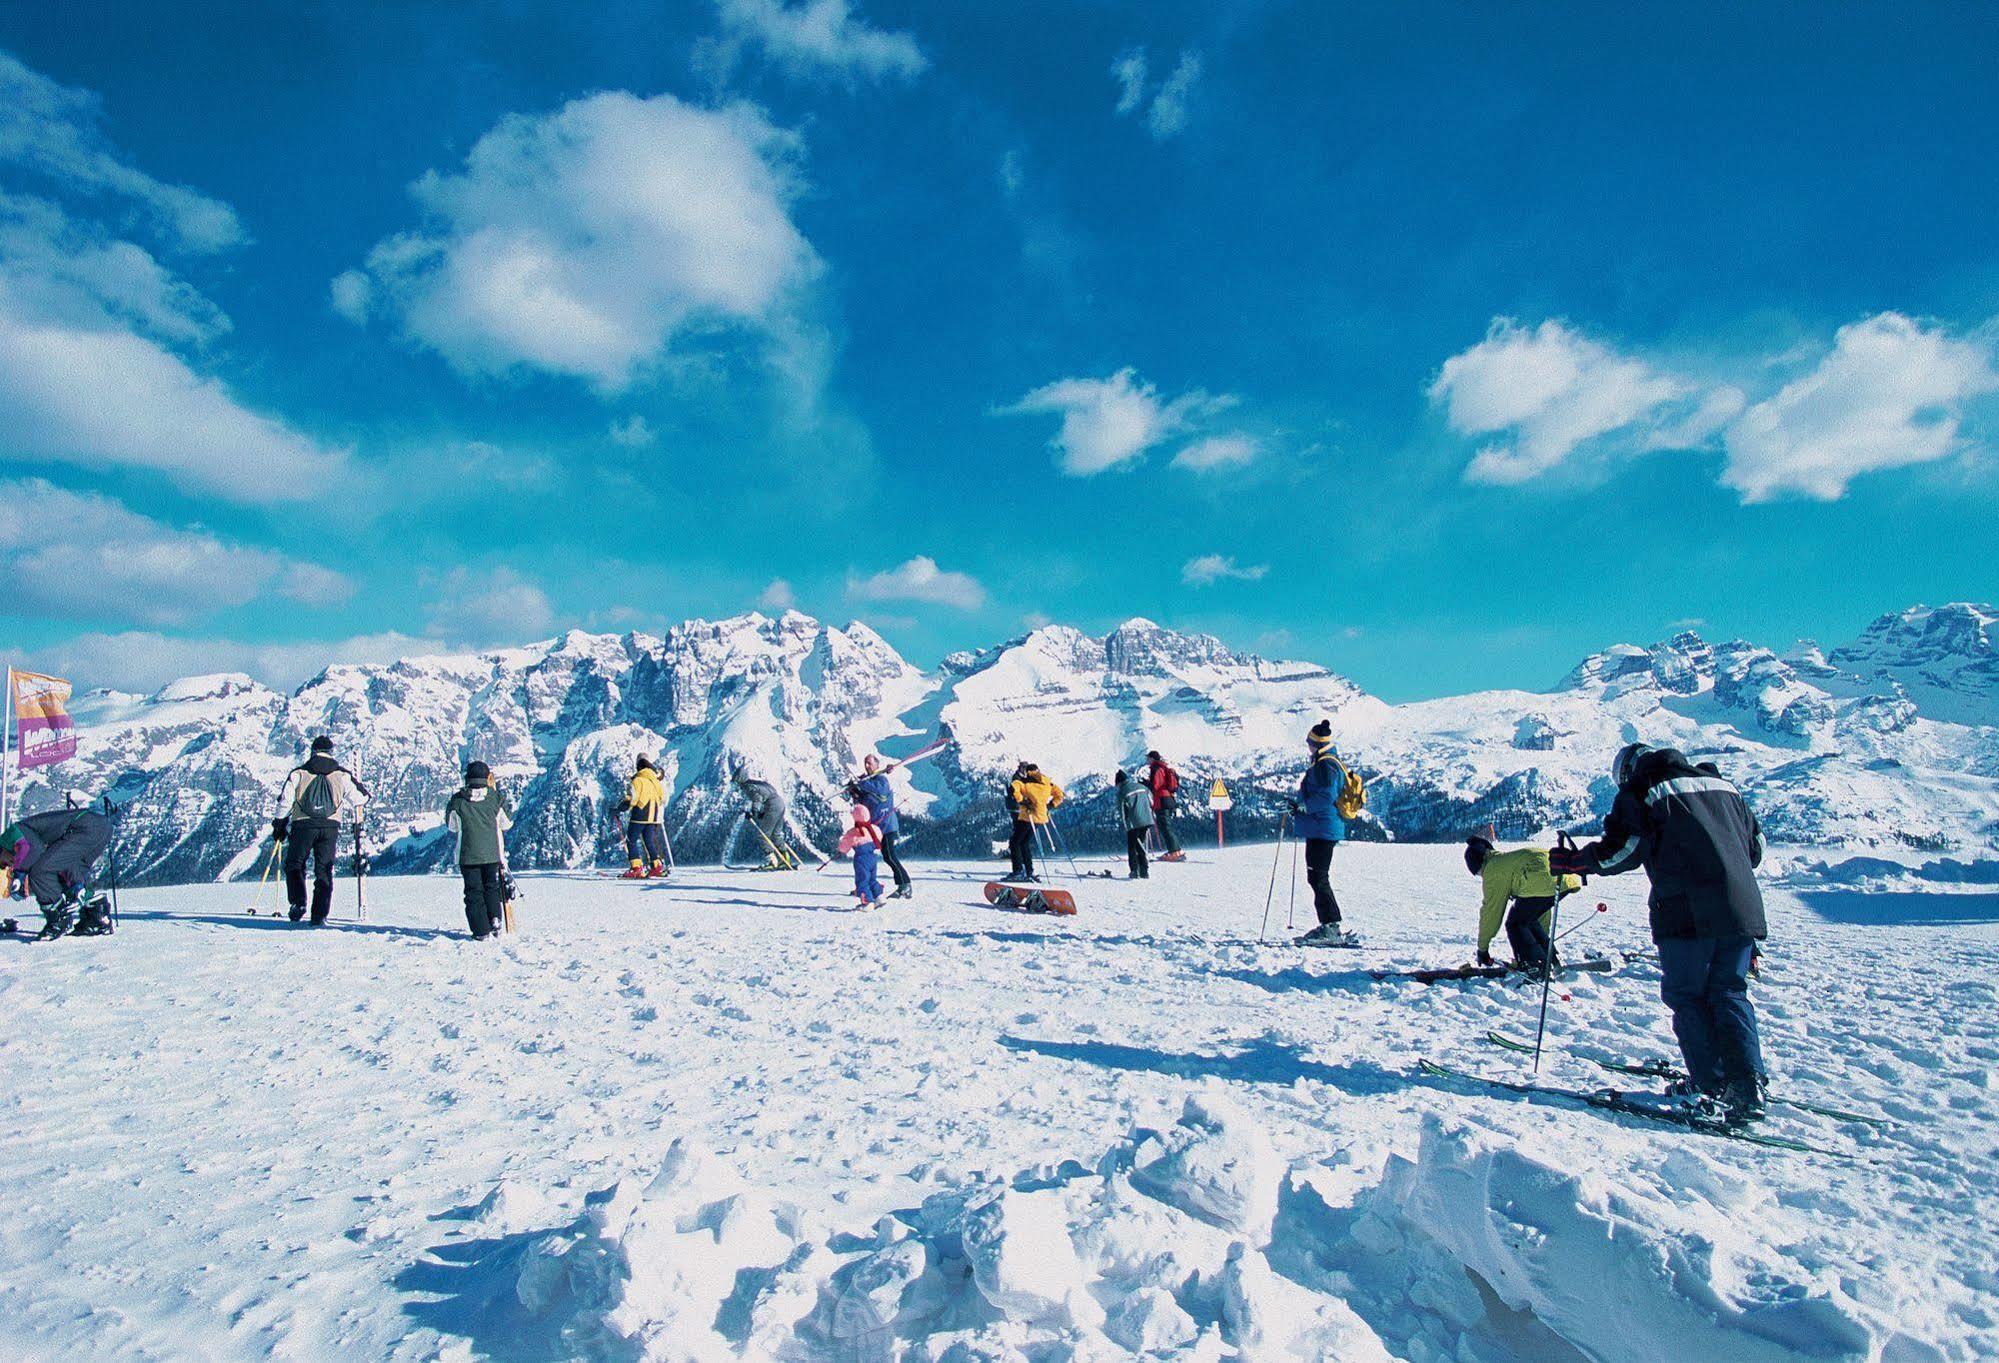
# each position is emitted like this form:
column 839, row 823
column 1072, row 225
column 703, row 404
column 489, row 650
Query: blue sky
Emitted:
column 1442, row 344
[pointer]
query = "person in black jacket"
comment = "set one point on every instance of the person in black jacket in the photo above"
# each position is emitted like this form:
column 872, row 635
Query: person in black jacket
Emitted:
column 1694, row 834
column 316, row 795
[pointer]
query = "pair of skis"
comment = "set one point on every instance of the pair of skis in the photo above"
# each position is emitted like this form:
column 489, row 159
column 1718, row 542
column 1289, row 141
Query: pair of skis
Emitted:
column 1445, row 974
column 1659, row 1069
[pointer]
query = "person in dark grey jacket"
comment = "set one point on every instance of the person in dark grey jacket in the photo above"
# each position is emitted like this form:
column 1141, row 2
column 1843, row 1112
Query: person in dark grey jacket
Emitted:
column 56, row 852
column 1135, row 805
column 478, row 814
column 1698, row 841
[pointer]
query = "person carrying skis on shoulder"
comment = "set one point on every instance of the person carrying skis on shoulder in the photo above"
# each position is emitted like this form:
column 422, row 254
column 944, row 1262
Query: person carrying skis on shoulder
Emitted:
column 1164, row 783
column 55, row 852
column 1521, row 879
column 645, row 822
column 1700, row 845
column 315, row 797
column 1032, row 797
column 872, row 789
column 864, row 840
column 765, row 813
column 1326, row 799
column 478, row 814
column 1135, row 804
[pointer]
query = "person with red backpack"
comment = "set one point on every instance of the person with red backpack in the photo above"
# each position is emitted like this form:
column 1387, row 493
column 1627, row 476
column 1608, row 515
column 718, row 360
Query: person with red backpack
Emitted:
column 1164, row 783
column 316, row 795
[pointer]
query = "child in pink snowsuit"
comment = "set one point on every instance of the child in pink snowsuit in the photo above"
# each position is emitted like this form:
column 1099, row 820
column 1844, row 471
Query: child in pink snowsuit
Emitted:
column 864, row 840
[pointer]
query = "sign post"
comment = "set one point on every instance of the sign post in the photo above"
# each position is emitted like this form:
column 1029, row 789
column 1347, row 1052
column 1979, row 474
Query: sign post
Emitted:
column 1219, row 801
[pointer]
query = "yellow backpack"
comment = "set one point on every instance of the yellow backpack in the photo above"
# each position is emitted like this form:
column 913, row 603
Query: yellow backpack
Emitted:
column 1352, row 798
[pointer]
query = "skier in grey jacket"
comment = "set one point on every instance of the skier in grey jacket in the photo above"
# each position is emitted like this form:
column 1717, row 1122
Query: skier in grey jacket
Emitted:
column 1135, row 805
column 478, row 814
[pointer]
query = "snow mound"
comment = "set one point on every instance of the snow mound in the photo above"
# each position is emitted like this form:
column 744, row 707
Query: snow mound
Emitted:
column 1193, row 1243
column 1476, row 1247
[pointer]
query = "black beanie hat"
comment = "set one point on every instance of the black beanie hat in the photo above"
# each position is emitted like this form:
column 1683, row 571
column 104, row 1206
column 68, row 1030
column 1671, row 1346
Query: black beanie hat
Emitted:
column 477, row 771
column 645, row 763
column 322, row 744
column 1477, row 848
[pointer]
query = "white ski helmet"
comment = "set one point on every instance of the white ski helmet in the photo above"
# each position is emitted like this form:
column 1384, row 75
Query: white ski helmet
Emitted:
column 1626, row 761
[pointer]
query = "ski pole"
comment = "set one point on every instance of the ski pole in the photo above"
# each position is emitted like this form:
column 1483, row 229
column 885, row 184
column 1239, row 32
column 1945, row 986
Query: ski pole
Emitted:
column 1068, row 856
column 1291, row 914
column 111, row 813
column 1270, row 895
column 1601, row 908
column 1044, row 840
column 1548, row 966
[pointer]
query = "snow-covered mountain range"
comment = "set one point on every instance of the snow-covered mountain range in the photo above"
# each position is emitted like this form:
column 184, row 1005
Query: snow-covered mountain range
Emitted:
column 1891, row 740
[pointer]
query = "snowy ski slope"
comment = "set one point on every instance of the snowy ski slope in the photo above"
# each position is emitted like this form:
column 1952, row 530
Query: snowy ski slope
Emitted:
column 726, row 1117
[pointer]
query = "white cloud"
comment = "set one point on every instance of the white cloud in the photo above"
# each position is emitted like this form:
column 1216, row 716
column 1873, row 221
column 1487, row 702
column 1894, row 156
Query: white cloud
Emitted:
column 144, row 661
column 818, row 37
column 1891, row 393
column 72, row 555
column 1168, row 114
column 1550, row 388
column 66, row 267
column 491, row 606
column 53, row 129
column 99, row 396
column 1107, row 422
column 778, row 596
column 1129, row 73
column 587, row 241
column 920, row 579
column 1209, row 569
column 352, row 295
column 1217, row 452
column 632, row 432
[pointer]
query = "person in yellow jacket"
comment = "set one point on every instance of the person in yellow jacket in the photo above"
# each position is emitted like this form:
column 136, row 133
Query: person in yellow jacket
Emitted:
column 1030, row 799
column 645, row 822
column 1520, row 879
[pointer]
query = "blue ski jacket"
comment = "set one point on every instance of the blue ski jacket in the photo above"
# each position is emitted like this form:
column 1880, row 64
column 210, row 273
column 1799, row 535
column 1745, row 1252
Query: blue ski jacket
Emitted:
column 1318, row 817
column 876, row 793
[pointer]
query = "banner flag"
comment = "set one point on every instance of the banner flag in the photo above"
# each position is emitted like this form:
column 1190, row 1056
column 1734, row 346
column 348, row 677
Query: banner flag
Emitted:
column 47, row 734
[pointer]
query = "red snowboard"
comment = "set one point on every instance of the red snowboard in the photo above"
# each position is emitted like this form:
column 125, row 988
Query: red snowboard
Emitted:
column 1031, row 898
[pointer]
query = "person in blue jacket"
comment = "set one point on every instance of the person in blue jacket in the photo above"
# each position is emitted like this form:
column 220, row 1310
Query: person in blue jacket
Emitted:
column 1316, row 817
column 872, row 789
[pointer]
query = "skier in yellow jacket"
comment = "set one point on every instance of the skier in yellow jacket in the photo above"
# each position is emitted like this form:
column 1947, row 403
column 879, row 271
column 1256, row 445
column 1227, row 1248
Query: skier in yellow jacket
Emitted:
column 645, row 822
column 1030, row 798
column 1523, row 880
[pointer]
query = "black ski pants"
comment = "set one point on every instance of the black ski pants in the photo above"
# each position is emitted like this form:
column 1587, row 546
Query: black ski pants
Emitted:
column 485, row 905
column 65, row 863
column 894, row 862
column 1162, row 819
column 1528, row 934
column 319, row 843
column 1022, row 848
column 1319, row 875
column 1134, row 852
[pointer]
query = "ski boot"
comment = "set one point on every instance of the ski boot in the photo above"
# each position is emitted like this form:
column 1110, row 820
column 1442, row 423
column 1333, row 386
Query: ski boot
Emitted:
column 1742, row 1102
column 297, row 913
column 637, row 872
column 903, row 892
column 1329, row 935
column 57, row 920
column 95, row 918
column 659, row 870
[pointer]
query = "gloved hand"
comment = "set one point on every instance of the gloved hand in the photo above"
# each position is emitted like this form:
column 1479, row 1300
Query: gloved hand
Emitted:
column 1568, row 861
column 624, row 806
column 1485, row 958
column 280, row 829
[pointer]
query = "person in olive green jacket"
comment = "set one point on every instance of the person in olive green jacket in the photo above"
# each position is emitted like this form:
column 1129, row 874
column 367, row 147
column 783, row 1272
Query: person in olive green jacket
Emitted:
column 1523, row 880
column 478, row 815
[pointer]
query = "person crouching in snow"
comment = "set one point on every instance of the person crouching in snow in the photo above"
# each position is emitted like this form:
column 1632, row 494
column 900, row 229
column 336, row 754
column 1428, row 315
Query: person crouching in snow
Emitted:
column 478, row 814
column 1135, row 804
column 864, row 840
column 1522, row 879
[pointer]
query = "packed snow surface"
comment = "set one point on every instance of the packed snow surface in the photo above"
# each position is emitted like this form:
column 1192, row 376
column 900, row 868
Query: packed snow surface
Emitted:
column 728, row 1116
